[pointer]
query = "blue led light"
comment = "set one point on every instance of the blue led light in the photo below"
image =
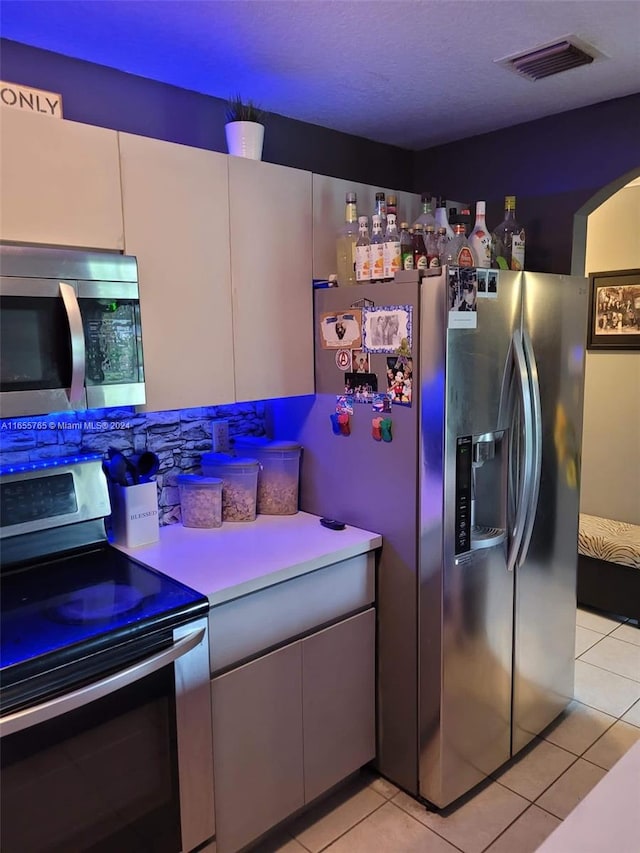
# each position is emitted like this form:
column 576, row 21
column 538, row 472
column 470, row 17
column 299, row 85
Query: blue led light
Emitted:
column 47, row 463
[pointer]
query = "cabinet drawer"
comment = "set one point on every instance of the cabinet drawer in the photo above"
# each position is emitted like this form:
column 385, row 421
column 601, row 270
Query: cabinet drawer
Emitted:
column 246, row 626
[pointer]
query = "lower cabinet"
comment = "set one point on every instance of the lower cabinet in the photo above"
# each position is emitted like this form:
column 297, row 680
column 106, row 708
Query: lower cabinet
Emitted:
column 257, row 736
column 289, row 725
column 338, row 702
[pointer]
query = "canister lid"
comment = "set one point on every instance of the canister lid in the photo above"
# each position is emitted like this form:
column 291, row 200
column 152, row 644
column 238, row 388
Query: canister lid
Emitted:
column 197, row 480
column 265, row 445
column 223, row 459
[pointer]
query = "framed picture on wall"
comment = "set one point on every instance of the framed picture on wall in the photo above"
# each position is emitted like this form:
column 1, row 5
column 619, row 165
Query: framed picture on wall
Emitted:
column 614, row 310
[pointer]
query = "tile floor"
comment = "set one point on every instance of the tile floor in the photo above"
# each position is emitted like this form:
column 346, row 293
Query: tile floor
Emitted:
column 526, row 800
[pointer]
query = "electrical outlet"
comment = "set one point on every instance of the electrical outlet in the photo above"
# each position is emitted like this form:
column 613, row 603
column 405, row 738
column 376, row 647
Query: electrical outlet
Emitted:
column 139, row 442
column 220, row 435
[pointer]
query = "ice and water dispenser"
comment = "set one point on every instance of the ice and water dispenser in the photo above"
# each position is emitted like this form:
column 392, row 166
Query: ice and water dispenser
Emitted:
column 481, row 486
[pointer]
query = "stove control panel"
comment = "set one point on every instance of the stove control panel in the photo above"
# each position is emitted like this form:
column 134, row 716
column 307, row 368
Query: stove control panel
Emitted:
column 40, row 496
column 31, row 500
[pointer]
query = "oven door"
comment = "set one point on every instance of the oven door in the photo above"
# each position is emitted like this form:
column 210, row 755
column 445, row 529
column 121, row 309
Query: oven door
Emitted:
column 42, row 351
column 121, row 764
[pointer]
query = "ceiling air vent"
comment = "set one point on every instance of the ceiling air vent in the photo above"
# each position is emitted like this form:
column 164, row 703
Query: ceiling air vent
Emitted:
column 550, row 59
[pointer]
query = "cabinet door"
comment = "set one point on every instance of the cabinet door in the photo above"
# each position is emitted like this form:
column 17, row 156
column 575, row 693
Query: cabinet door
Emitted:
column 328, row 215
column 270, row 210
column 60, row 182
column 176, row 220
column 338, row 701
column 257, row 746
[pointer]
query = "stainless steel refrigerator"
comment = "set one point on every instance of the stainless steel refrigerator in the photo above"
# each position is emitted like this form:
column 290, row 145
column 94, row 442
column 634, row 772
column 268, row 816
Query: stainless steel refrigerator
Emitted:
column 476, row 497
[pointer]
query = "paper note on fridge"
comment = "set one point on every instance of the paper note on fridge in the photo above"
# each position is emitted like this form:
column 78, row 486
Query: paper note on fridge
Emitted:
column 463, row 319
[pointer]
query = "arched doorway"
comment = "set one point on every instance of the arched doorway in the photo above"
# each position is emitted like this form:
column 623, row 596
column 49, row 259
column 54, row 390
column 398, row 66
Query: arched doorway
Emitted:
column 606, row 237
column 579, row 250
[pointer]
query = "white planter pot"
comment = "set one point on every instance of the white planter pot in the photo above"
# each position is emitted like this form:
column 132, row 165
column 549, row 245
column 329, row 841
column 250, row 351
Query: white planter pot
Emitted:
column 244, row 139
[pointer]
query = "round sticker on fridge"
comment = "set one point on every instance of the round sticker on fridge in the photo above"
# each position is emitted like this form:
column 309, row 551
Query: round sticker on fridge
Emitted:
column 343, row 359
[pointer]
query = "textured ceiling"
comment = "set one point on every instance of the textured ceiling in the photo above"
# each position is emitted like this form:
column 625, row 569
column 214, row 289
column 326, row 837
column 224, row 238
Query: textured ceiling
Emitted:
column 413, row 73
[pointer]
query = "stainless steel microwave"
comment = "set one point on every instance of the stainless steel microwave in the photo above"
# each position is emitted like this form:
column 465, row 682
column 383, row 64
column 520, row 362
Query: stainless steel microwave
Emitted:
column 70, row 331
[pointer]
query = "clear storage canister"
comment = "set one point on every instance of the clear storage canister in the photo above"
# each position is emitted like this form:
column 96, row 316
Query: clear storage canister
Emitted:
column 239, row 477
column 279, row 473
column 200, row 500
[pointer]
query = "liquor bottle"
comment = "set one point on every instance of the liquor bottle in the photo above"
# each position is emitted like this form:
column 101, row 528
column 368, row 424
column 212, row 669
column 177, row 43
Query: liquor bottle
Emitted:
column 432, row 247
column 377, row 249
column 426, row 217
column 391, row 249
column 346, row 242
column 406, row 247
column 441, row 218
column 442, row 240
column 480, row 239
column 392, row 207
column 464, row 218
column 419, row 249
column 363, row 251
column 507, row 250
column 380, row 209
column 458, row 253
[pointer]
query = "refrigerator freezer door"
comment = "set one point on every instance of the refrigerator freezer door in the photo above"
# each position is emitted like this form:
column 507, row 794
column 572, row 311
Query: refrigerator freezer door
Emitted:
column 554, row 321
column 372, row 484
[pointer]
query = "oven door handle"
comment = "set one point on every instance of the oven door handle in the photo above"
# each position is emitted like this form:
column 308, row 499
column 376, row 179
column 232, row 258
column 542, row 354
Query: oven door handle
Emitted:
column 28, row 717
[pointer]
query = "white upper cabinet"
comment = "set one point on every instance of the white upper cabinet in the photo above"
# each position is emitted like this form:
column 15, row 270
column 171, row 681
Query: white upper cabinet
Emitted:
column 271, row 247
column 176, row 217
column 329, row 209
column 227, row 248
column 60, row 182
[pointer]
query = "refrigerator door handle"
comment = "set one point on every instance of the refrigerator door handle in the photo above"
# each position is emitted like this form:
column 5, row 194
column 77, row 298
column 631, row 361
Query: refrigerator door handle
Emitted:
column 522, row 383
column 507, row 417
column 536, row 436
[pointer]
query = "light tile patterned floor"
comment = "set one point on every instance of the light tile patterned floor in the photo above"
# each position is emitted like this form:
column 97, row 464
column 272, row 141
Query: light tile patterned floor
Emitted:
column 526, row 800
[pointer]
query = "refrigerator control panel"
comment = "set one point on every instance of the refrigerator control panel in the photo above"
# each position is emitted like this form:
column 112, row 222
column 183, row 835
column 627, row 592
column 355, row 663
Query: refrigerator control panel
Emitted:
column 464, row 448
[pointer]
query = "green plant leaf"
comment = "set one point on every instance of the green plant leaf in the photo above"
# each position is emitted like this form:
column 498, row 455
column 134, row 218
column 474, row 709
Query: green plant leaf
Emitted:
column 239, row 110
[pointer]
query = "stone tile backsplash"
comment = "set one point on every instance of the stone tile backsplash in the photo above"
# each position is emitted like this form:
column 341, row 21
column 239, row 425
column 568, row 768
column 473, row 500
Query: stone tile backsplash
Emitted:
column 178, row 437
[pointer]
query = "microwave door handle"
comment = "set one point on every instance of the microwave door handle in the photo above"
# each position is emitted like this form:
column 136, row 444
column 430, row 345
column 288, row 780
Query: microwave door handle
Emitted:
column 28, row 717
column 74, row 318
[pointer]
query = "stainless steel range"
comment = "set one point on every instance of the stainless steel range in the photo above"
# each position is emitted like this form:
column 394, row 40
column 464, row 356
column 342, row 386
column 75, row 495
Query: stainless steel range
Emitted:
column 105, row 714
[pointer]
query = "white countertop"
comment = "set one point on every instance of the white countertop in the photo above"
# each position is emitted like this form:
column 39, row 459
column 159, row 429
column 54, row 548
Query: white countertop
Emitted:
column 242, row 557
column 608, row 818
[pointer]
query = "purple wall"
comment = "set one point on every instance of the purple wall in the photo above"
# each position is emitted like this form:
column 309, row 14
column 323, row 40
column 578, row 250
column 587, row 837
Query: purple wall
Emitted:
column 95, row 94
column 553, row 166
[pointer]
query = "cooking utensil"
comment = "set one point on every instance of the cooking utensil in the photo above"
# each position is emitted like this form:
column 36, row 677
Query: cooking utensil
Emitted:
column 130, row 470
column 146, row 465
column 119, row 470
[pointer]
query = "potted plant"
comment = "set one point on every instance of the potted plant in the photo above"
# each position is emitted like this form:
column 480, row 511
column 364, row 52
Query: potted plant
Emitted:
column 244, row 128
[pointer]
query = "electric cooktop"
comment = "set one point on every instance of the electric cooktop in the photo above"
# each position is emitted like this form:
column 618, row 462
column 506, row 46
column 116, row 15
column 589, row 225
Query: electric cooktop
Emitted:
column 71, row 605
column 76, row 602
